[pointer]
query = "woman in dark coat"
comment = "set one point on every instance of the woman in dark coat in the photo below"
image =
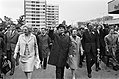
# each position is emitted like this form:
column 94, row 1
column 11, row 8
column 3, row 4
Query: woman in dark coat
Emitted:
column 59, row 51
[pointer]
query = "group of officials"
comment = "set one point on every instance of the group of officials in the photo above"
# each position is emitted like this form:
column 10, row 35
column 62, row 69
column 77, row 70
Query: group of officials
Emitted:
column 65, row 48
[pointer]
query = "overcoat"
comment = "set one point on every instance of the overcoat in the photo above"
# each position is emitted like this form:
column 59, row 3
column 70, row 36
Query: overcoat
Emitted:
column 75, row 50
column 60, row 49
column 43, row 43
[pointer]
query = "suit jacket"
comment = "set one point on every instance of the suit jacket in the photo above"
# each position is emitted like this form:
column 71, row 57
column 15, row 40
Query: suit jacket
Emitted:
column 90, row 43
column 32, row 46
column 11, row 40
column 102, row 33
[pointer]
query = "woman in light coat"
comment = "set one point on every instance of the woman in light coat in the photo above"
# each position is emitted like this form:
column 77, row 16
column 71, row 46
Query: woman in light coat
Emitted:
column 74, row 53
column 28, row 50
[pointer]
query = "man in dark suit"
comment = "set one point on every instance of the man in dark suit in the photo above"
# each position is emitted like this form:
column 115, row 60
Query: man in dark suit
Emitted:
column 90, row 43
column 60, row 49
column 11, row 38
column 2, row 50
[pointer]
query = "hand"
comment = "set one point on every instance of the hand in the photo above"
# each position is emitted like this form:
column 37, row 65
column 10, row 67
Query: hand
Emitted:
column 107, row 50
column 70, row 56
column 51, row 28
column 5, row 57
column 98, row 50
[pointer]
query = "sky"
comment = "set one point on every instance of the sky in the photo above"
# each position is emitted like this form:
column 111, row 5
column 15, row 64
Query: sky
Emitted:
column 70, row 10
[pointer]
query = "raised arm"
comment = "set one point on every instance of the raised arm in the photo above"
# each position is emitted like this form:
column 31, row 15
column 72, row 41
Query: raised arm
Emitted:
column 51, row 33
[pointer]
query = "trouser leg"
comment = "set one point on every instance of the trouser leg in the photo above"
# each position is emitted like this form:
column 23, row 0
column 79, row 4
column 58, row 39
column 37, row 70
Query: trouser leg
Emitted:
column 81, row 60
column 45, row 63
column 90, row 62
column 107, row 62
column 11, row 59
column 1, row 60
column 17, row 59
column 59, row 72
column 12, row 63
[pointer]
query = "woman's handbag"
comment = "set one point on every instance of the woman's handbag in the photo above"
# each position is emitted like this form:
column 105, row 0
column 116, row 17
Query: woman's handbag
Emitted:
column 5, row 66
column 37, row 63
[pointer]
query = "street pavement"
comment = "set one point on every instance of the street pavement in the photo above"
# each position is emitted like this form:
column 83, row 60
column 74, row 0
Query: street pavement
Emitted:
column 81, row 73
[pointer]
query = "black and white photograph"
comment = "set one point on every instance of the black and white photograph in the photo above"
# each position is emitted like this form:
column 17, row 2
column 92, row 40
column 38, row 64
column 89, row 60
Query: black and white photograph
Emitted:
column 59, row 39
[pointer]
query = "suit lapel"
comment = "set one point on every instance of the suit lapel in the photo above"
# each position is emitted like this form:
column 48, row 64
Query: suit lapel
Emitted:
column 8, row 34
column 24, row 38
column 13, row 34
column 31, row 36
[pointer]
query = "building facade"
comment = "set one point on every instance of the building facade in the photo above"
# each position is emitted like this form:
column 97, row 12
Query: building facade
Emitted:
column 52, row 15
column 38, row 13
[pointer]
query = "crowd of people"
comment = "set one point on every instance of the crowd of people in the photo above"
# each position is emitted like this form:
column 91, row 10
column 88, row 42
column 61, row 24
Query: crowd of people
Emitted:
column 61, row 47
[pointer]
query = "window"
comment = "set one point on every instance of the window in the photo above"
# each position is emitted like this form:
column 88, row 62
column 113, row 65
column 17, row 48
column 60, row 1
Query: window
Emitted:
column 32, row 1
column 38, row 15
column 33, row 25
column 37, row 25
column 37, row 12
column 33, row 8
column 37, row 18
column 37, row 2
column 33, row 11
column 37, row 5
column 33, row 21
column 37, row 21
column 33, row 18
column 37, row 8
column 32, row 15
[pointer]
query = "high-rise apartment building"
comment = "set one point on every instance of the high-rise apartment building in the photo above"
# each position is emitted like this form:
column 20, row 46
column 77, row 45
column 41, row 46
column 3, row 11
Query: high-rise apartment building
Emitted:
column 35, row 11
column 39, row 14
column 52, row 15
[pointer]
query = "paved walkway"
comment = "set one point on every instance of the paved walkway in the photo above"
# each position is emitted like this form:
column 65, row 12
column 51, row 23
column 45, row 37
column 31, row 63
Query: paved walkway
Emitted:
column 81, row 73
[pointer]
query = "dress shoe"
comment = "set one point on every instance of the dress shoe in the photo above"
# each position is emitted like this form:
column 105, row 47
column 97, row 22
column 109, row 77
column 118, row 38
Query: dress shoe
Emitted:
column 89, row 75
column 44, row 67
column 1, row 76
column 11, row 73
column 116, row 68
column 97, row 69
column 17, row 63
column 80, row 66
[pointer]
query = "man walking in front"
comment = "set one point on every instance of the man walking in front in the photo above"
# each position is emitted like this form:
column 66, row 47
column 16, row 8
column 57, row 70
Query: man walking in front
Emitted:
column 90, row 43
column 59, row 50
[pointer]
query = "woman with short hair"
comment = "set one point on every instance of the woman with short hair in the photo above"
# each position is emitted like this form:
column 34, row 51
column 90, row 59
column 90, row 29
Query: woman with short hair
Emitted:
column 74, row 53
column 28, row 50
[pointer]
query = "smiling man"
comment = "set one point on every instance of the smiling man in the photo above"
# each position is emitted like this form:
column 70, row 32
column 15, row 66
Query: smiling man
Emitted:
column 60, row 49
